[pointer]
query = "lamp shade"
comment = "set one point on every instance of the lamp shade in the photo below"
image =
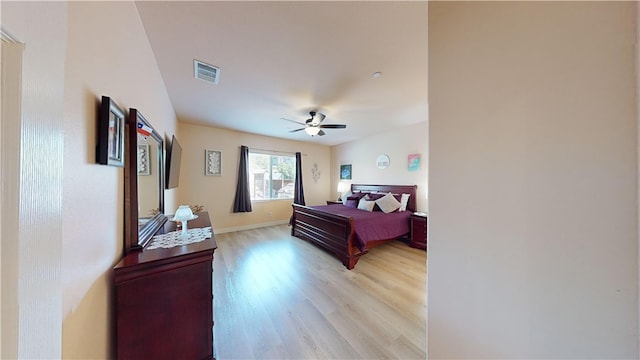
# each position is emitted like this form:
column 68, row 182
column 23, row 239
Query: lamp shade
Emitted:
column 312, row 130
column 183, row 213
column 342, row 186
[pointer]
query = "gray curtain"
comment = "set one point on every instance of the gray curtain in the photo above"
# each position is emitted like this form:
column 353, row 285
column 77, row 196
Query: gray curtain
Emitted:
column 298, row 191
column 242, row 202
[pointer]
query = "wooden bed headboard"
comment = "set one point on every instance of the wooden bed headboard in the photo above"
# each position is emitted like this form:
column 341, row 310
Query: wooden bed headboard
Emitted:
column 394, row 189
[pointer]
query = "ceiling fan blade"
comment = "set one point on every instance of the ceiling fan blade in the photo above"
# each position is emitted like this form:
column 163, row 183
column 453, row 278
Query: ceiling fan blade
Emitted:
column 293, row 121
column 297, row 130
column 333, row 126
column 320, row 117
column 321, row 133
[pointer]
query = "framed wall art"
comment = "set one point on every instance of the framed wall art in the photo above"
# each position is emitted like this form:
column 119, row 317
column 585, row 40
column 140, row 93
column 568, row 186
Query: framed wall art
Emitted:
column 413, row 162
column 110, row 147
column 144, row 167
column 345, row 172
column 315, row 172
column 212, row 163
column 382, row 161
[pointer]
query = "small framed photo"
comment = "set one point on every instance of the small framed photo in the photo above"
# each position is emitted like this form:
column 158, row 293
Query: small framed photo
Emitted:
column 212, row 163
column 144, row 167
column 345, row 172
column 110, row 147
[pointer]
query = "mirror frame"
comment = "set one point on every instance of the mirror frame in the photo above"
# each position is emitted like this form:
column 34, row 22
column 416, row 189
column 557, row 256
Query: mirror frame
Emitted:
column 136, row 238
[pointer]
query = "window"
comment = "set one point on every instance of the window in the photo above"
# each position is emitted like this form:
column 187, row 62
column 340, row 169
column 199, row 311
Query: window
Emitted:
column 271, row 176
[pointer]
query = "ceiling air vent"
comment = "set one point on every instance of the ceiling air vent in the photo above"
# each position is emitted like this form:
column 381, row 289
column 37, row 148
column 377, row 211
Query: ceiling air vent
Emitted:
column 206, row 72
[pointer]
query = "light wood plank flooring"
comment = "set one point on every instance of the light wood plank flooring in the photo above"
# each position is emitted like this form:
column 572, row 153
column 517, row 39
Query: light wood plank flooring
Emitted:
column 279, row 297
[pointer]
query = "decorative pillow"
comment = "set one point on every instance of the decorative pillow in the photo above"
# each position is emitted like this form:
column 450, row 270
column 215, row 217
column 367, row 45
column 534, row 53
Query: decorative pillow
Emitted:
column 352, row 202
column 373, row 197
column 403, row 202
column 345, row 196
column 388, row 203
column 366, row 205
column 360, row 193
column 358, row 196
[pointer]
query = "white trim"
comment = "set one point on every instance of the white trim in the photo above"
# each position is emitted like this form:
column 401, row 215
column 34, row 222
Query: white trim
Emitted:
column 5, row 35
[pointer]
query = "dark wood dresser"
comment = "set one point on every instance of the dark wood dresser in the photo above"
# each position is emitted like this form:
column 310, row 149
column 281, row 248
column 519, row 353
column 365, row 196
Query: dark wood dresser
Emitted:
column 418, row 231
column 164, row 300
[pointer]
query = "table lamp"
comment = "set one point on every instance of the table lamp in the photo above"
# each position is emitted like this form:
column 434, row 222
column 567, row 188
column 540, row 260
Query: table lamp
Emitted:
column 342, row 187
column 183, row 214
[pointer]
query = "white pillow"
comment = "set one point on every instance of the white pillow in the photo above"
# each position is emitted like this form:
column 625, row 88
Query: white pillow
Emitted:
column 345, row 196
column 388, row 203
column 404, row 200
column 366, row 205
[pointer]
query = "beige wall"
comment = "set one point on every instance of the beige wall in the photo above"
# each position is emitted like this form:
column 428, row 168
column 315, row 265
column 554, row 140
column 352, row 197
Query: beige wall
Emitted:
column 533, row 244
column 397, row 144
column 216, row 193
column 107, row 54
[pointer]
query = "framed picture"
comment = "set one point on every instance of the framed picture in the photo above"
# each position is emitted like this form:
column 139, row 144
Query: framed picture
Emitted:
column 382, row 161
column 345, row 172
column 413, row 162
column 212, row 163
column 144, row 167
column 110, row 148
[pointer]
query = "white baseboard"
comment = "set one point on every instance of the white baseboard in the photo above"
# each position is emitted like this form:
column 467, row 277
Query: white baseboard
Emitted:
column 249, row 227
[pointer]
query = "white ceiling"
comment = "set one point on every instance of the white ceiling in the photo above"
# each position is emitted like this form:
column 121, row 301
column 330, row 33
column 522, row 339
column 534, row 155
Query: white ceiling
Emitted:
column 283, row 59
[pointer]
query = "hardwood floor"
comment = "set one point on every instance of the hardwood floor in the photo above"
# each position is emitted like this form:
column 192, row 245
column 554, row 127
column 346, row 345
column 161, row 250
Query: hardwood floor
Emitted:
column 279, row 297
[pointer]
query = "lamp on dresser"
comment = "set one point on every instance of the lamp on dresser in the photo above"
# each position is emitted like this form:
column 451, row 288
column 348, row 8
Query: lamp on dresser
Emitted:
column 184, row 214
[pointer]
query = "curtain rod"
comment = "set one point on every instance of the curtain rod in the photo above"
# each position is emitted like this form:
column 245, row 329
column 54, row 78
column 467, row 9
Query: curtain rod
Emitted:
column 276, row 151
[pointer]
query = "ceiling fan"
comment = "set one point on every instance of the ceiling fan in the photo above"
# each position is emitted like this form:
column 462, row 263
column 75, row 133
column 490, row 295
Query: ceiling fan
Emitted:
column 313, row 125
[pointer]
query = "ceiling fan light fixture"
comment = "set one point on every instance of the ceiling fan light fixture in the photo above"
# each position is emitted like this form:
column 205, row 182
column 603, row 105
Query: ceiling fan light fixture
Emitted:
column 312, row 130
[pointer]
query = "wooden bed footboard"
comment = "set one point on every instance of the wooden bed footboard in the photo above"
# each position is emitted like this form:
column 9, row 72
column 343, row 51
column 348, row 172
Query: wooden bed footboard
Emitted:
column 333, row 233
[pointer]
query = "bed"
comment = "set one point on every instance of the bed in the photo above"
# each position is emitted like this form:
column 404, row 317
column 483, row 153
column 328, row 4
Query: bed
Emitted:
column 341, row 231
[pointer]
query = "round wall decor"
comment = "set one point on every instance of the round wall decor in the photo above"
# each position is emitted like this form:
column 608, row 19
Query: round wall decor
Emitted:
column 382, row 162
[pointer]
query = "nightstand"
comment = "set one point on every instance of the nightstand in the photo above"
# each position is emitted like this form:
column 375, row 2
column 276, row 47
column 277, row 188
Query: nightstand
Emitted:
column 418, row 231
column 330, row 202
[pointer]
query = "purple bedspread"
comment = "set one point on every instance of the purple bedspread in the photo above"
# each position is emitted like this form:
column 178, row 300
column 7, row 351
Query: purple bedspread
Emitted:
column 371, row 225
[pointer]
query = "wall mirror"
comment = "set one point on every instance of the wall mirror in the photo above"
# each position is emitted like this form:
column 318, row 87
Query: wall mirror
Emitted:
column 144, row 182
